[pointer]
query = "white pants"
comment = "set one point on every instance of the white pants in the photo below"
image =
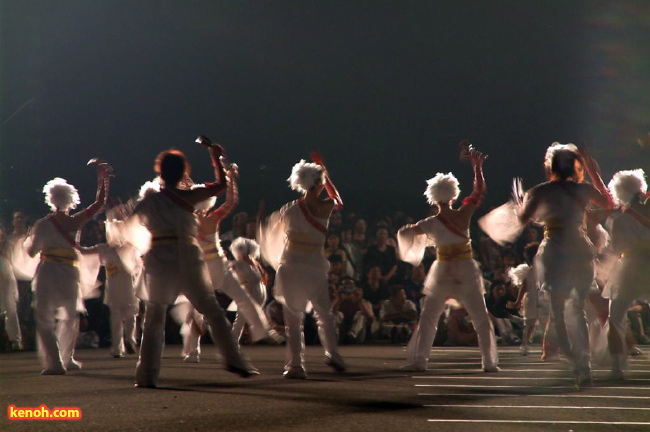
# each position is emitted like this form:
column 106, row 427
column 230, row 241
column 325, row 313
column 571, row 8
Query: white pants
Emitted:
column 153, row 336
column 568, row 312
column 12, row 325
column 618, row 308
column 242, row 318
column 251, row 311
column 419, row 347
column 294, row 322
column 122, row 328
column 192, row 330
column 57, row 330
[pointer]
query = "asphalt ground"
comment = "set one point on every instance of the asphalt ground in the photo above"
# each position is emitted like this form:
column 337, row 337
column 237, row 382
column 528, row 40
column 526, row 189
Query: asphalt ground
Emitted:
column 373, row 395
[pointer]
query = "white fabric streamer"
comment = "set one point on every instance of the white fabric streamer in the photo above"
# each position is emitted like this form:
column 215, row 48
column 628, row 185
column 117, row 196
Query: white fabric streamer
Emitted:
column 502, row 224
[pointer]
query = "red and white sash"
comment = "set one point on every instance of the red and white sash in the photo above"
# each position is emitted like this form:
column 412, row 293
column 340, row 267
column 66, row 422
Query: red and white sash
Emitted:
column 451, row 227
column 311, row 219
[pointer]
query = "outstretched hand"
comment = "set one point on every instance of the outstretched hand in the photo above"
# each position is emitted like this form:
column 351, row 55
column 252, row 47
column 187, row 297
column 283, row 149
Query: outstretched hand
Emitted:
column 233, row 171
column 104, row 170
column 590, row 162
column 207, row 142
column 477, row 157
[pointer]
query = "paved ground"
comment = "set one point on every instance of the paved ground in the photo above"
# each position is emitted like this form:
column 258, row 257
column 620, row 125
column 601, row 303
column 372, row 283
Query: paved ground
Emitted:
column 528, row 395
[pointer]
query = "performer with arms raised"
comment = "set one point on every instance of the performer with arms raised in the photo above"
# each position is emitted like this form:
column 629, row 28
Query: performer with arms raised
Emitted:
column 454, row 273
column 56, row 286
column 174, row 264
column 565, row 260
column 292, row 241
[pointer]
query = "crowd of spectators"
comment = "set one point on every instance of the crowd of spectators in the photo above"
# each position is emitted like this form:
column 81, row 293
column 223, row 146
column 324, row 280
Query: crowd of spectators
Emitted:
column 375, row 296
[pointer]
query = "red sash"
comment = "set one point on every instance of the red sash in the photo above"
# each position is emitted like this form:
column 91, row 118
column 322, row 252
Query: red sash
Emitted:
column 66, row 235
column 450, row 226
column 311, row 219
column 176, row 199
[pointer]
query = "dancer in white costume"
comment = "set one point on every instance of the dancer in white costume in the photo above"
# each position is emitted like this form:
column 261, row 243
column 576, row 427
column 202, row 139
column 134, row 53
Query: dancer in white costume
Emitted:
column 57, row 282
column 123, row 266
column 9, row 294
column 174, row 264
column 529, row 298
column 454, row 273
column 251, row 275
column 630, row 277
column 565, row 261
column 292, row 241
column 222, row 279
column 24, row 269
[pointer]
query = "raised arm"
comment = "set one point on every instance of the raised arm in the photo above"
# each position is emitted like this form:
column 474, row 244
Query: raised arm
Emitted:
column 104, row 173
column 217, row 154
column 474, row 200
column 232, row 196
column 605, row 200
column 331, row 190
column 333, row 193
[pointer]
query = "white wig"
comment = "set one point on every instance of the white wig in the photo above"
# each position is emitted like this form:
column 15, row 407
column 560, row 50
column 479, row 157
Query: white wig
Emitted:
column 150, row 187
column 60, row 195
column 243, row 246
column 566, row 154
column 305, row 176
column 627, row 185
column 518, row 274
column 443, row 188
column 206, row 204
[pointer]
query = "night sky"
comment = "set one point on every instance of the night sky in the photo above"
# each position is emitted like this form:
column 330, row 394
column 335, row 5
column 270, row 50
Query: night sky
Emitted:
column 385, row 89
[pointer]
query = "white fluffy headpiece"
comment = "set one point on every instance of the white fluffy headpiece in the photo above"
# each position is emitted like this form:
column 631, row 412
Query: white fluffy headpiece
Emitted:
column 559, row 150
column 205, row 204
column 305, row 175
column 60, row 195
column 150, row 187
column 243, row 246
column 626, row 185
column 518, row 274
column 443, row 188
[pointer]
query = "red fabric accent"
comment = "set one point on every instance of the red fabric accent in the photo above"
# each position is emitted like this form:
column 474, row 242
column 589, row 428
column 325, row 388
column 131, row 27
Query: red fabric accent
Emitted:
column 311, row 219
column 66, row 235
column 232, row 199
column 177, row 200
column 317, row 157
column 475, row 198
column 450, row 226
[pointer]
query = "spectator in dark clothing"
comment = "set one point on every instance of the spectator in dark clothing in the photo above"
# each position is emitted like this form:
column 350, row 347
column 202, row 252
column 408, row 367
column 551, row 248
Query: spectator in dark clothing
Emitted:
column 383, row 255
column 414, row 285
column 460, row 329
column 499, row 304
column 375, row 290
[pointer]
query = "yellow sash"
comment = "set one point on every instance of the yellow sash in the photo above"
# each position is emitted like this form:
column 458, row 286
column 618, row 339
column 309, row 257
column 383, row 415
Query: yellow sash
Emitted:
column 305, row 243
column 111, row 269
column 63, row 256
column 457, row 252
column 212, row 251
